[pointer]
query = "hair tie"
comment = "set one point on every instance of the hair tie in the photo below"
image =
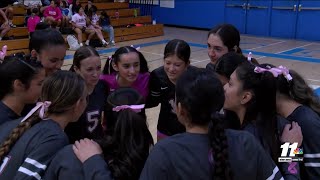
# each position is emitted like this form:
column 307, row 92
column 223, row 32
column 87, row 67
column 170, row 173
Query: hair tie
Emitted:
column 137, row 48
column 43, row 108
column 249, row 57
column 135, row 108
column 3, row 52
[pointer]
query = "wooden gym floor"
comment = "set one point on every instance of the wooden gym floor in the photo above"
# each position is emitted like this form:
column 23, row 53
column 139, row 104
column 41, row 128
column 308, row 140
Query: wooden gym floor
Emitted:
column 302, row 56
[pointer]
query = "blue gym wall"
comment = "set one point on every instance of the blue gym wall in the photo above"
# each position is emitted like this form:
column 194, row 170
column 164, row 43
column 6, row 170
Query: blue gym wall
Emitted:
column 268, row 21
column 191, row 13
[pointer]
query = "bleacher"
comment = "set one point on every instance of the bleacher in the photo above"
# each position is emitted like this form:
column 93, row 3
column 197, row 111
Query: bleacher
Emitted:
column 122, row 32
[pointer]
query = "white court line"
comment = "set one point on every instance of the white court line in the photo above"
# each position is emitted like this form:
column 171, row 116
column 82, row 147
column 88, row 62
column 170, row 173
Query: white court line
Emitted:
column 315, row 80
column 260, row 57
column 268, row 45
column 294, row 48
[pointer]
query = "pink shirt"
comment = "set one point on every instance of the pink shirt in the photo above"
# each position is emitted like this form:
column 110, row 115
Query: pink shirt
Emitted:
column 141, row 84
column 54, row 12
column 32, row 23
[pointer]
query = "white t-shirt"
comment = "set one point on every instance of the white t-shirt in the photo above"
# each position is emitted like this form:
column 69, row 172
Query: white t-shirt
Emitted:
column 94, row 19
column 79, row 20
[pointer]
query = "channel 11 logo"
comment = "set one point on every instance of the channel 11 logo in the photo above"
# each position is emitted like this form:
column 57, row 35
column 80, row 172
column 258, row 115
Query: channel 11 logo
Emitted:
column 294, row 153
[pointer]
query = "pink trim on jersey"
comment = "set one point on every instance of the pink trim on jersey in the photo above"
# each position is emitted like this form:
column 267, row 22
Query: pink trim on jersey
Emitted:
column 141, row 84
column 32, row 23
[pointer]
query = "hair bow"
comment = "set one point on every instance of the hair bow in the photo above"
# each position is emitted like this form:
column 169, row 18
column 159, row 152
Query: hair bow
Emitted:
column 43, row 108
column 135, row 108
column 275, row 71
column 3, row 52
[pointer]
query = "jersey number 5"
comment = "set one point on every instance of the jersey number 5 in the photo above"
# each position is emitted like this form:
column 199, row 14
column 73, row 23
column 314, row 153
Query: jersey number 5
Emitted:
column 93, row 120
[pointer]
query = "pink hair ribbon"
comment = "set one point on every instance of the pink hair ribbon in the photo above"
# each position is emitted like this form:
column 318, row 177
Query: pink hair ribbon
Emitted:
column 43, row 108
column 135, row 108
column 3, row 52
column 275, row 71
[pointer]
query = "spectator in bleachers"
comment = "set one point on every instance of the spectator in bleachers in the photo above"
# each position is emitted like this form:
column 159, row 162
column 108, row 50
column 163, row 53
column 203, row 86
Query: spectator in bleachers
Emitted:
column 106, row 26
column 65, row 13
column 52, row 14
column 79, row 24
column 94, row 19
column 33, row 20
column 74, row 6
column 5, row 7
column 89, row 6
column 4, row 24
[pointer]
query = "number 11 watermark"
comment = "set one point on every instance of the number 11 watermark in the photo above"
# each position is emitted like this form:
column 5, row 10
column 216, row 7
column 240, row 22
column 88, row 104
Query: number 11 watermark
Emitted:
column 293, row 155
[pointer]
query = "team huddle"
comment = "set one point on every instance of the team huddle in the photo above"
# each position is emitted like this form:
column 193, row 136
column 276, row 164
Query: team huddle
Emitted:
column 226, row 121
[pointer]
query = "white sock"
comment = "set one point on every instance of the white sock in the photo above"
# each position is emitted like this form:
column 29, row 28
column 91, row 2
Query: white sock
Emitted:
column 87, row 42
column 104, row 41
column 81, row 44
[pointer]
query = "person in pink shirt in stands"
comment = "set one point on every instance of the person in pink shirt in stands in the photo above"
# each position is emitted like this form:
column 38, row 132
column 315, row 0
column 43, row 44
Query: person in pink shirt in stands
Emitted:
column 33, row 21
column 53, row 14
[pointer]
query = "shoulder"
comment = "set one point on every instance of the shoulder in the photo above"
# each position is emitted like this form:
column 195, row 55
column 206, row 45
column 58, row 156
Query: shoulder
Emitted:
column 238, row 138
column 158, row 71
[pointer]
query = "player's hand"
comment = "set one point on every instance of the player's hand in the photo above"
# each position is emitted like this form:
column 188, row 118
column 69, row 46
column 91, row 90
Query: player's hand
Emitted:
column 292, row 135
column 86, row 148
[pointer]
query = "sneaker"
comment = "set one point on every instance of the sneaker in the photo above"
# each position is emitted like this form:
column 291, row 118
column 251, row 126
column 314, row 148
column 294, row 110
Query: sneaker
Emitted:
column 12, row 25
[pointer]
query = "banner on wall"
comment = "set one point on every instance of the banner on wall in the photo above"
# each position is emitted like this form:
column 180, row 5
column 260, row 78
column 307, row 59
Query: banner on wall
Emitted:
column 167, row 3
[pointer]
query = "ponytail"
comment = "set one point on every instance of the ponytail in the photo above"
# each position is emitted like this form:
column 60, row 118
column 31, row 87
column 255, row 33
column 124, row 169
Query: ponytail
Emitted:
column 128, row 148
column 219, row 149
column 16, row 133
column 108, row 69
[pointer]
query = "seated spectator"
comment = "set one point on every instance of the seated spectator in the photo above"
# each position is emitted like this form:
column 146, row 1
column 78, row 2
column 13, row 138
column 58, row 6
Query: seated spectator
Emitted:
column 52, row 14
column 89, row 6
column 94, row 19
column 79, row 24
column 74, row 6
column 4, row 24
column 66, row 13
column 106, row 26
column 33, row 20
column 5, row 7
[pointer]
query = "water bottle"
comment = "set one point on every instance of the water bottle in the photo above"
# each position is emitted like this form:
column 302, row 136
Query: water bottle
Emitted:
column 135, row 13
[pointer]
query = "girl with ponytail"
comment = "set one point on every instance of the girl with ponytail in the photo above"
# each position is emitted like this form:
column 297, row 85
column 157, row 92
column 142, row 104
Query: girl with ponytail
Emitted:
column 29, row 144
column 298, row 103
column 251, row 94
column 119, row 156
column 206, row 150
column 20, row 83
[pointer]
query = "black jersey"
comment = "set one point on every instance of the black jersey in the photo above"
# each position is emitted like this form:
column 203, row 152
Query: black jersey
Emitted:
column 186, row 156
column 6, row 114
column 162, row 91
column 290, row 171
column 66, row 165
column 31, row 154
column 89, row 124
column 309, row 121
